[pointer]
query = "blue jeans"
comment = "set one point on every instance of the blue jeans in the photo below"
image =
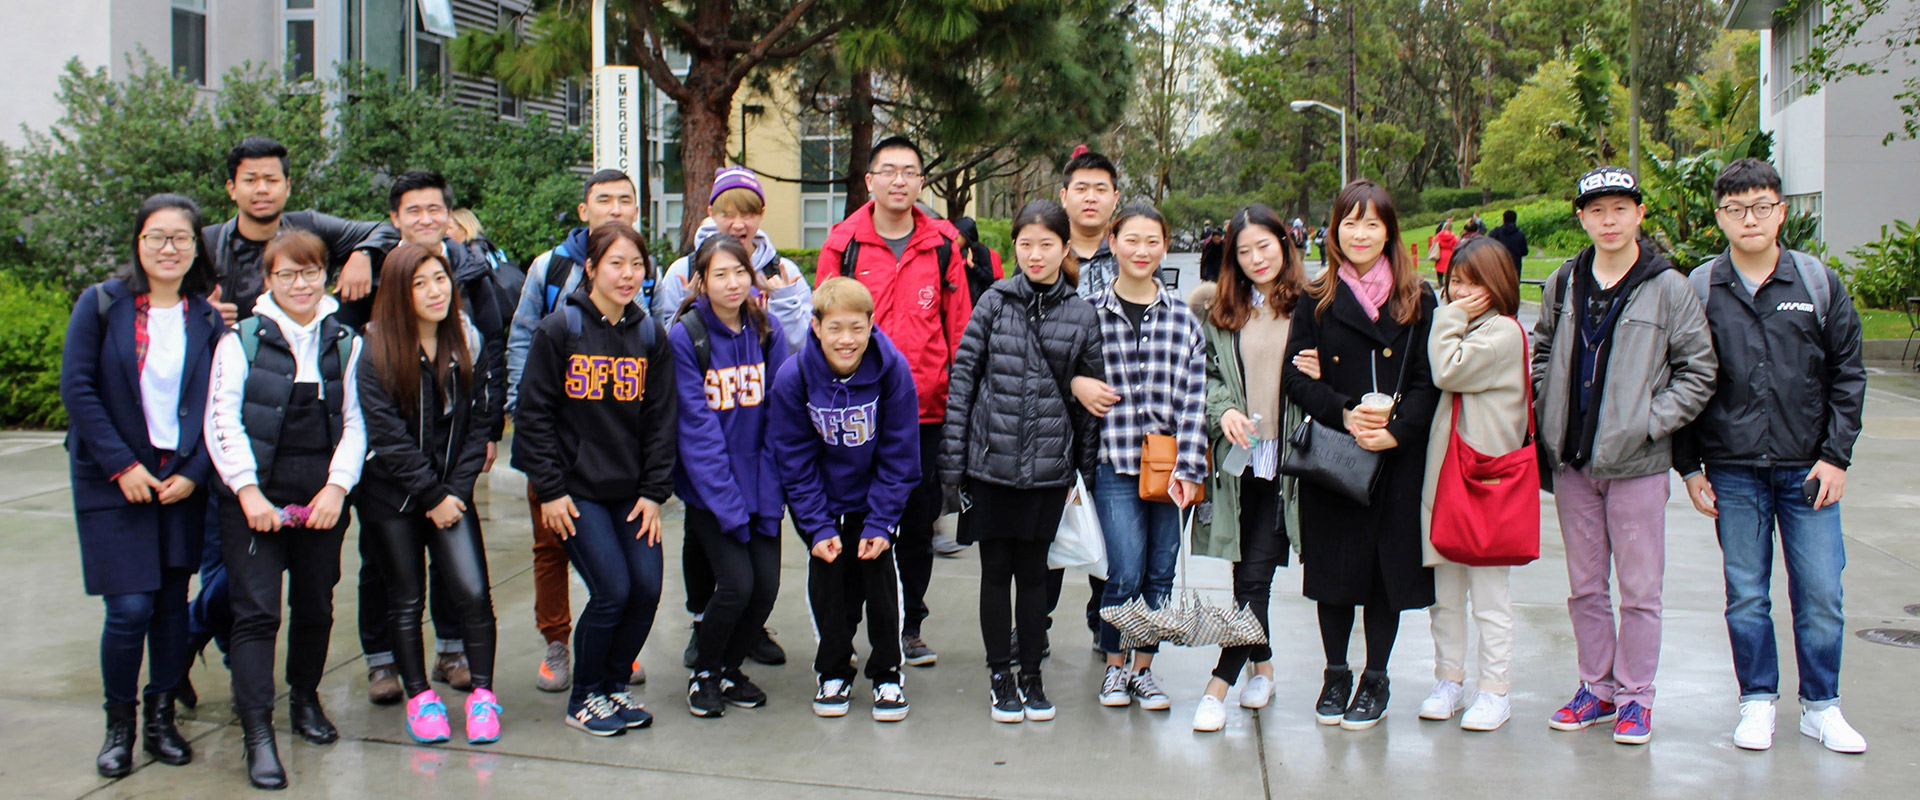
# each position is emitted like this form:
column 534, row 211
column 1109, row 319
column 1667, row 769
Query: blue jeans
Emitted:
column 1143, row 546
column 1751, row 501
column 153, row 624
column 622, row 573
column 211, row 616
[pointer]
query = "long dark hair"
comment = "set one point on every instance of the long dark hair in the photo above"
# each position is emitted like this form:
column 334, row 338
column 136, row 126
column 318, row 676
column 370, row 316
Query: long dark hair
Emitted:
column 1048, row 214
column 393, row 335
column 1404, row 302
column 1233, row 301
column 199, row 279
column 697, row 279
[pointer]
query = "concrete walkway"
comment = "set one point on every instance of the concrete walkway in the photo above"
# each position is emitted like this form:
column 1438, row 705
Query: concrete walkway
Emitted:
column 50, row 719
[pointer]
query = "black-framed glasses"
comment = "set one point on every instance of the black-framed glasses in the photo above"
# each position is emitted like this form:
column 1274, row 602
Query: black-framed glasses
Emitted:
column 1735, row 211
column 155, row 242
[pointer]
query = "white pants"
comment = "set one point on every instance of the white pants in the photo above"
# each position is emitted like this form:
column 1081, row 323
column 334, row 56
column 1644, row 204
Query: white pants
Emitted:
column 1492, row 610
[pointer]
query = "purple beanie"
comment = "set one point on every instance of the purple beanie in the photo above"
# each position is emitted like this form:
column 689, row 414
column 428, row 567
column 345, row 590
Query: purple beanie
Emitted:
column 735, row 178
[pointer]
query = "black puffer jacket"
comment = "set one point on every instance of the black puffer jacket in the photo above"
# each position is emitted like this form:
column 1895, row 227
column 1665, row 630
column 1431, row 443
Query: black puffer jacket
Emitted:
column 1011, row 416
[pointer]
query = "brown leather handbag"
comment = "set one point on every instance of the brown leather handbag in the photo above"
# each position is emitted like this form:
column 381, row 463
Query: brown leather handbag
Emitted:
column 1157, row 456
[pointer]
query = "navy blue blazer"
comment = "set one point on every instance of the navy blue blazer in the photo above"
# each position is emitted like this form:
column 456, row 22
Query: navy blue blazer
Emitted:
column 125, row 546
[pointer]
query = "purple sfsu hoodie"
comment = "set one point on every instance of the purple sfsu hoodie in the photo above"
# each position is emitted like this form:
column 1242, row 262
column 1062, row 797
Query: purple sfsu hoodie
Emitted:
column 846, row 445
column 723, row 467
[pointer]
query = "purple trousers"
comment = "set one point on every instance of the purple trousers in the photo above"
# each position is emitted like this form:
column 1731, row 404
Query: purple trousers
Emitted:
column 1615, row 525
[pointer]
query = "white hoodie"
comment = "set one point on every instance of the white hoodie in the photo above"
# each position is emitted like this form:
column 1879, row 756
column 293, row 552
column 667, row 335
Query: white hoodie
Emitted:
column 226, row 435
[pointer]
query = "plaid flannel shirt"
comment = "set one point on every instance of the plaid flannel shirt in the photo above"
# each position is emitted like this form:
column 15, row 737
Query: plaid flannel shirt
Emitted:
column 1160, row 372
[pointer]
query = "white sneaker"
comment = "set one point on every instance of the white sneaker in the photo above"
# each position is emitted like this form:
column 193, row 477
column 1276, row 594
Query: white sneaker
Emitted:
column 1755, row 731
column 1443, row 702
column 1211, row 715
column 1488, row 712
column 1258, row 692
column 1831, row 729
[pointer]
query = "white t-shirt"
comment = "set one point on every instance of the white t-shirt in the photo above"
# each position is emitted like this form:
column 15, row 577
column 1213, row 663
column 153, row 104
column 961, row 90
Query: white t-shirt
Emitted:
column 160, row 377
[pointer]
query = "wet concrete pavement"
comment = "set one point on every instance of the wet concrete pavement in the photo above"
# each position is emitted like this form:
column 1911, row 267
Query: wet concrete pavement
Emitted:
column 50, row 718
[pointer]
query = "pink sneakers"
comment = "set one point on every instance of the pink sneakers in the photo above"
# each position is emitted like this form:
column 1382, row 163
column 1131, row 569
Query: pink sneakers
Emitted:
column 483, row 717
column 427, row 718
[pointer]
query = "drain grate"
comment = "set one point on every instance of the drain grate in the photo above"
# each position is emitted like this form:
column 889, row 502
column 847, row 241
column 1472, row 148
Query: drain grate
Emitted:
column 1898, row 637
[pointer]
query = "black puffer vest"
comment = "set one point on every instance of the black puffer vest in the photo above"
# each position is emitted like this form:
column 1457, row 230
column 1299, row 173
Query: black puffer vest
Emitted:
column 270, row 385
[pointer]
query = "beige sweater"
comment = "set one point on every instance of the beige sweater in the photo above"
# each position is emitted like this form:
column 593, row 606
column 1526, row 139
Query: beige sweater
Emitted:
column 1484, row 361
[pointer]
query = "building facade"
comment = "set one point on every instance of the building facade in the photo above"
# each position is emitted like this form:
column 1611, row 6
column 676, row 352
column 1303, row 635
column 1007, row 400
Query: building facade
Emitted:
column 1827, row 142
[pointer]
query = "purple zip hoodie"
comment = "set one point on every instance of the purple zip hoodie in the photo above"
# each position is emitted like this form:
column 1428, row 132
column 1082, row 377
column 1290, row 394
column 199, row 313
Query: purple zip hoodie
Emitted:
column 723, row 424
column 846, row 444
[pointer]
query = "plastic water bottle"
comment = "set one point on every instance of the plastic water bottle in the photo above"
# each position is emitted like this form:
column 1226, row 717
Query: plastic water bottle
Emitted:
column 1235, row 460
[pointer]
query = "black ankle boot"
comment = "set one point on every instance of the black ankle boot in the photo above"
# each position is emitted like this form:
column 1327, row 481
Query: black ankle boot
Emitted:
column 163, row 739
column 116, row 753
column 263, row 760
column 309, row 720
column 1334, row 695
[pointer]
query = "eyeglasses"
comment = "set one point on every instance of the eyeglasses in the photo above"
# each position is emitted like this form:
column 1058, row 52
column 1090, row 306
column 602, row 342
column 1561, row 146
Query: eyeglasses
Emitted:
column 1735, row 212
column 156, row 242
column 285, row 277
column 890, row 173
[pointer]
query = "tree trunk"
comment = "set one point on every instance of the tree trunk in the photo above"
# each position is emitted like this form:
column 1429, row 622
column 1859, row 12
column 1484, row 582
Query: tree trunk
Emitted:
column 860, row 139
column 703, row 152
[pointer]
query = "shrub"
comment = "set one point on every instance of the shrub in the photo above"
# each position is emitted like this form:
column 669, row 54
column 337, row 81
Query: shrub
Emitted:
column 1444, row 199
column 1887, row 270
column 36, row 316
column 806, row 259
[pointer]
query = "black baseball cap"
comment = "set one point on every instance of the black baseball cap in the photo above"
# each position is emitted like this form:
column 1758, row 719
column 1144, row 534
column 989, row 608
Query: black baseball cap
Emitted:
column 1604, row 182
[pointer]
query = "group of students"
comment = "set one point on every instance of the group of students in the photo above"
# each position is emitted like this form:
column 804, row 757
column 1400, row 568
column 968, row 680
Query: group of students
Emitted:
column 865, row 405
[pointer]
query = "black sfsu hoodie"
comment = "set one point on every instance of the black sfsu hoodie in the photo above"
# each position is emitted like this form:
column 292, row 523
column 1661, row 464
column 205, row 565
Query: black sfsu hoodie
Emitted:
column 598, row 415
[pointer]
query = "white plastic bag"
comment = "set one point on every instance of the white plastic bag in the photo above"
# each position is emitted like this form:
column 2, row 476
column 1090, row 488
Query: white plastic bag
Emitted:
column 1079, row 544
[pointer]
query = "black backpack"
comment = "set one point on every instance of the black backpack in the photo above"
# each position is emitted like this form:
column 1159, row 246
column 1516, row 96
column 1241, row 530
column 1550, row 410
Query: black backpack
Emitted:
column 703, row 341
column 850, row 258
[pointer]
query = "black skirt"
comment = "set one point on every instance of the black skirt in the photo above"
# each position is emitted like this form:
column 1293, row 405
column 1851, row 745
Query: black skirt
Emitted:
column 992, row 511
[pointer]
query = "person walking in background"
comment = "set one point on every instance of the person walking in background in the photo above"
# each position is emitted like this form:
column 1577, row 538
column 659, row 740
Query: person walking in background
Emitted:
column 844, row 428
column 1515, row 240
column 906, row 260
column 1440, row 248
column 133, row 379
column 1621, row 360
column 1212, row 249
column 1772, row 450
column 1368, row 322
column 552, row 276
column 1246, row 319
column 596, row 435
column 723, row 345
column 284, row 429
column 1015, row 441
column 423, row 394
column 983, row 264
column 1478, row 353
column 1156, row 364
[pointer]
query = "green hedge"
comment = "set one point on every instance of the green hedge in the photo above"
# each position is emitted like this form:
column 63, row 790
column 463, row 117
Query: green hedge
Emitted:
column 36, row 326
column 1443, row 199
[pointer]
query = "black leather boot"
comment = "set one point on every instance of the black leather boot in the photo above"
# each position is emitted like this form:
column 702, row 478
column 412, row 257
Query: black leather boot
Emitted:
column 309, row 720
column 116, row 753
column 263, row 760
column 163, row 739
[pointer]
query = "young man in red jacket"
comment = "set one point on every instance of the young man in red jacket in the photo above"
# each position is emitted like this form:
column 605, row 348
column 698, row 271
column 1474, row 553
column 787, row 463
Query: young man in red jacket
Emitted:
column 907, row 260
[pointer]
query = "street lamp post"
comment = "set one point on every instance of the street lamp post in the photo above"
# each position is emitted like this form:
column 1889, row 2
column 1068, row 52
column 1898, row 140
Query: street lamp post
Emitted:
column 1303, row 105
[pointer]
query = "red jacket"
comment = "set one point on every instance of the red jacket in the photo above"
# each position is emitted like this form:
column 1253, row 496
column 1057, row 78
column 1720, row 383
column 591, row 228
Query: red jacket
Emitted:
column 923, row 315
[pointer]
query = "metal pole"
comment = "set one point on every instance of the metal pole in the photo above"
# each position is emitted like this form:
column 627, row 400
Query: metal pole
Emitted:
column 599, row 33
column 1343, row 148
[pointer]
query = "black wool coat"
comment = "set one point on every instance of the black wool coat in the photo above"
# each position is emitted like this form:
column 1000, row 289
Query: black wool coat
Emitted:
column 1353, row 554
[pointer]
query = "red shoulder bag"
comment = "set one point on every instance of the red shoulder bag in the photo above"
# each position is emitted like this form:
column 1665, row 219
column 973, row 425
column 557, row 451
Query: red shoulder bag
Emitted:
column 1486, row 509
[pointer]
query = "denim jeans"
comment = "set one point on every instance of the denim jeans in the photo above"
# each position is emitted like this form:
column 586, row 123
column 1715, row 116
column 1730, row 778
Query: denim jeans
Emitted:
column 151, row 624
column 1143, row 546
column 1752, row 500
column 210, row 618
column 622, row 573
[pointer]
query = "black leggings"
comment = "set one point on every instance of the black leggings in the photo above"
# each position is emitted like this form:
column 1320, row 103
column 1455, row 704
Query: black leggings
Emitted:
column 1007, row 564
column 1263, row 549
column 746, row 578
column 1336, row 627
column 1253, row 588
column 401, row 544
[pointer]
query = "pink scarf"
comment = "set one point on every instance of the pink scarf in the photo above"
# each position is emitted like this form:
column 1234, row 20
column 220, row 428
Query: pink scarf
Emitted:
column 1373, row 288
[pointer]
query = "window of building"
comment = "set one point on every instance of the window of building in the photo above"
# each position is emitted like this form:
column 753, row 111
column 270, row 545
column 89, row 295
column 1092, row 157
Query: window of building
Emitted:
column 190, row 41
column 577, row 91
column 428, row 62
column 824, row 148
column 509, row 105
column 1793, row 41
column 1811, row 203
column 301, row 55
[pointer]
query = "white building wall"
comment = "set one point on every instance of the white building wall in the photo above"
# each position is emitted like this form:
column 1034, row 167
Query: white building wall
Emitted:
column 30, row 73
